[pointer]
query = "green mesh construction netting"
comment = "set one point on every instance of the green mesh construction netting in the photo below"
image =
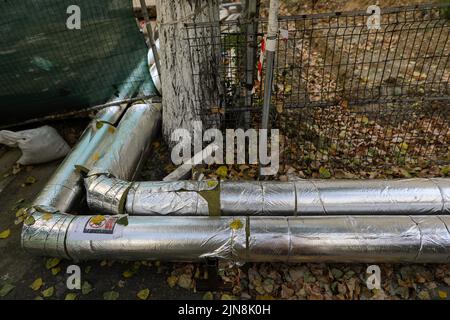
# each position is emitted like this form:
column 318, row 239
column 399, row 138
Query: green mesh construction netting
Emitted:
column 46, row 68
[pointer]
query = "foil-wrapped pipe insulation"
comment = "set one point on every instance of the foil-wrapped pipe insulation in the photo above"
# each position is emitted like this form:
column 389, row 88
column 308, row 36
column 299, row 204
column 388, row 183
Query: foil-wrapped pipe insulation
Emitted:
column 132, row 140
column 308, row 197
column 107, row 195
column 336, row 197
column 347, row 239
column 110, row 195
column 258, row 198
column 46, row 235
column 140, row 238
column 422, row 239
column 173, row 198
column 65, row 187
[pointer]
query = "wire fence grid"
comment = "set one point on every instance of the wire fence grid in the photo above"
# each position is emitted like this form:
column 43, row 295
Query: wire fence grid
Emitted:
column 345, row 96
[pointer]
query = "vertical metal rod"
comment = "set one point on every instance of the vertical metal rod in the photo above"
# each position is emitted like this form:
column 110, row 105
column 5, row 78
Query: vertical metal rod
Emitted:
column 150, row 36
column 271, row 43
column 251, row 25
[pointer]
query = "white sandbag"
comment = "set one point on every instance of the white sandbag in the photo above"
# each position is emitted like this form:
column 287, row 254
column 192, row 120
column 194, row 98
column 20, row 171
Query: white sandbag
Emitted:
column 38, row 145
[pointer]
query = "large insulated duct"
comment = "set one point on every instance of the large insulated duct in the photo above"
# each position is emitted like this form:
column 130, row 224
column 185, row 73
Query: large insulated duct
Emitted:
column 99, row 152
column 131, row 143
column 336, row 197
column 421, row 239
column 306, row 197
column 65, row 187
column 109, row 195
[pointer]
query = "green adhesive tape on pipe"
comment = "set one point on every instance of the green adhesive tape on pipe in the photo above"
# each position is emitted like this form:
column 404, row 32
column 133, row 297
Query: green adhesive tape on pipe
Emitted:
column 213, row 198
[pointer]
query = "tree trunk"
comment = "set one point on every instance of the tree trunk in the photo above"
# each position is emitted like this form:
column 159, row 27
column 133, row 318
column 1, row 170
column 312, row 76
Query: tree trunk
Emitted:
column 190, row 57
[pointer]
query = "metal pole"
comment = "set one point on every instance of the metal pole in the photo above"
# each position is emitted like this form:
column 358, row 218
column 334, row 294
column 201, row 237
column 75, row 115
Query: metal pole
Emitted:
column 250, row 15
column 271, row 43
column 150, row 36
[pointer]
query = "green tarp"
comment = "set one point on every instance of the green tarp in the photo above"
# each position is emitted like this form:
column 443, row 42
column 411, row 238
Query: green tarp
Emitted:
column 46, row 68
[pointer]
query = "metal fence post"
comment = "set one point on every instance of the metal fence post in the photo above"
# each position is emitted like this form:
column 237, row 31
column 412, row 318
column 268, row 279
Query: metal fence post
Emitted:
column 251, row 11
column 150, row 36
column 271, row 43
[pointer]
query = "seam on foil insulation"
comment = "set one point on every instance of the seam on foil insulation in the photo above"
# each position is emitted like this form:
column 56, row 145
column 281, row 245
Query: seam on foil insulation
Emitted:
column 247, row 237
column 296, row 209
column 65, row 239
column 124, row 199
column 227, row 250
column 421, row 238
column 235, row 230
column 260, row 185
column 441, row 192
column 232, row 241
column 197, row 203
column 131, row 195
column 320, row 197
column 49, row 233
column 448, row 231
column 355, row 227
column 290, row 239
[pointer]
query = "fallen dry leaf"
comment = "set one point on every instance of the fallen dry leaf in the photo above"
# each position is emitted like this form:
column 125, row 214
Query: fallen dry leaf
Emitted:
column 5, row 234
column 37, row 284
column 143, row 294
column 51, row 263
column 47, row 293
column 71, row 296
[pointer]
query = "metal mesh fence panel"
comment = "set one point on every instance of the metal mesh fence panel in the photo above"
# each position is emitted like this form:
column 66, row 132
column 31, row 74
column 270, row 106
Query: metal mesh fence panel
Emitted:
column 346, row 96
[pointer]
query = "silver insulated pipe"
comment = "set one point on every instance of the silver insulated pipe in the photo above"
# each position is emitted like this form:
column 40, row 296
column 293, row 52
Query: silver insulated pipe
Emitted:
column 299, row 198
column 65, row 188
column 242, row 239
column 301, row 221
column 337, row 197
column 130, row 144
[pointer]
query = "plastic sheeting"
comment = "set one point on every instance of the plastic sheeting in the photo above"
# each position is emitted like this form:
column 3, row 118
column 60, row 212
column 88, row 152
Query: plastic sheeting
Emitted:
column 422, row 239
column 48, row 68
